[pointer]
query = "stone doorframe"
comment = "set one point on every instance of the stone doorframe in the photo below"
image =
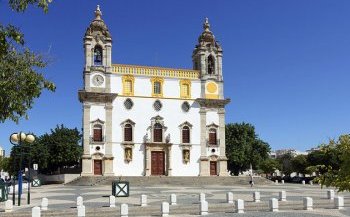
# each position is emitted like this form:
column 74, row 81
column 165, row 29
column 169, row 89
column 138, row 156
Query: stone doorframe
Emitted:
column 156, row 146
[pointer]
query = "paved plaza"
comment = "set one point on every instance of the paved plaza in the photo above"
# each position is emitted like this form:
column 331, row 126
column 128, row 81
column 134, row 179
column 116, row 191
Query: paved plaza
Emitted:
column 96, row 200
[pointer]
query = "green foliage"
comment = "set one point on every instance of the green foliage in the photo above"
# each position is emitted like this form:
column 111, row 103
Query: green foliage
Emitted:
column 269, row 166
column 243, row 147
column 20, row 80
column 21, row 5
column 286, row 163
column 51, row 151
column 4, row 163
column 299, row 164
column 337, row 174
column 63, row 147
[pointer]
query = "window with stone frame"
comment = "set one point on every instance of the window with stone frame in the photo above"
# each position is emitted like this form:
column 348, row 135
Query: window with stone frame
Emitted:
column 185, row 134
column 98, row 54
column 212, row 137
column 158, row 133
column 128, row 133
column 97, row 129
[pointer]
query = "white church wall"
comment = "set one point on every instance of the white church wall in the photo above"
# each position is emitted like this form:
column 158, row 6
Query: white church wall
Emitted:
column 141, row 114
column 179, row 168
column 97, row 112
column 133, row 168
column 212, row 117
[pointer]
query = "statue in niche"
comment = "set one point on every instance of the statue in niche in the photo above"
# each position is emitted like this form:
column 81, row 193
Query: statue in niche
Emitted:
column 128, row 154
column 186, row 156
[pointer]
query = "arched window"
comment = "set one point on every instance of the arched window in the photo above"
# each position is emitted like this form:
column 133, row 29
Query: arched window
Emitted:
column 185, row 134
column 157, row 89
column 211, row 65
column 97, row 133
column 158, row 133
column 98, row 55
column 212, row 137
column 128, row 133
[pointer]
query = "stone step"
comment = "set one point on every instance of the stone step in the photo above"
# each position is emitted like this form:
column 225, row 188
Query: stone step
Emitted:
column 166, row 180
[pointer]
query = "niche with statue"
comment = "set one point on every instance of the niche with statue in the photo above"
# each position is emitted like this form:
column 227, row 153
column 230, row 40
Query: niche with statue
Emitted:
column 186, row 156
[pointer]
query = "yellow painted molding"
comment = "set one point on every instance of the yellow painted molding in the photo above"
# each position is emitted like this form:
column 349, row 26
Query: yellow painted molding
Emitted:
column 155, row 71
column 151, row 97
column 185, row 89
column 129, row 91
column 212, row 96
column 154, row 81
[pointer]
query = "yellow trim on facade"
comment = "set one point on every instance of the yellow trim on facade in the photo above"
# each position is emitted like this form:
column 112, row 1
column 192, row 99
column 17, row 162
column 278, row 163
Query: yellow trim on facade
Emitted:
column 154, row 80
column 212, row 96
column 185, row 89
column 155, row 71
column 129, row 91
column 174, row 98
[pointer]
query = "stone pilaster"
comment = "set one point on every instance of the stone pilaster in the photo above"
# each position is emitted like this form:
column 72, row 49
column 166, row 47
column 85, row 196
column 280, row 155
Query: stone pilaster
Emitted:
column 147, row 161
column 204, row 163
column 108, row 159
column 87, row 81
column 169, row 161
column 86, row 158
column 222, row 157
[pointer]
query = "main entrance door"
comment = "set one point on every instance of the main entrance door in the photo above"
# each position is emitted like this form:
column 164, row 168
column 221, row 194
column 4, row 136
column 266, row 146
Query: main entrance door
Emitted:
column 213, row 169
column 157, row 163
column 97, row 167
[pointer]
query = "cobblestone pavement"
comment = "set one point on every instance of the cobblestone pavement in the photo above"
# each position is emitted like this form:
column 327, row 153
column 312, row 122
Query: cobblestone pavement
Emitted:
column 63, row 197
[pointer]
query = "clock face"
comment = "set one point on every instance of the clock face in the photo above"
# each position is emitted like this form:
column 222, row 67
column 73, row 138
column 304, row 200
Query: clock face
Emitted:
column 98, row 80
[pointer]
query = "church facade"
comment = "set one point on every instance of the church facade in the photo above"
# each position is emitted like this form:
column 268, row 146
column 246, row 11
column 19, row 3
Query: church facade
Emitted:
column 144, row 121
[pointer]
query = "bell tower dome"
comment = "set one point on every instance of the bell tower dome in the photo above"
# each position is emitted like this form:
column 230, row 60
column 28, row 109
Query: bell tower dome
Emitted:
column 207, row 58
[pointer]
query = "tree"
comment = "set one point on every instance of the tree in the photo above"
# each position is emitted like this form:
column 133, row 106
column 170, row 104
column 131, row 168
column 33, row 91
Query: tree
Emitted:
column 337, row 175
column 299, row 164
column 286, row 163
column 244, row 148
column 269, row 166
column 63, row 147
column 36, row 152
column 20, row 80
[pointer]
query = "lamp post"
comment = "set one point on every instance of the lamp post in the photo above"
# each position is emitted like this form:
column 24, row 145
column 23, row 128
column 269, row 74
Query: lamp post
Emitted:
column 17, row 139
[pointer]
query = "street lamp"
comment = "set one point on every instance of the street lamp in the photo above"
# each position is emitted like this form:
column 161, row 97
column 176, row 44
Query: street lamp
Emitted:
column 17, row 139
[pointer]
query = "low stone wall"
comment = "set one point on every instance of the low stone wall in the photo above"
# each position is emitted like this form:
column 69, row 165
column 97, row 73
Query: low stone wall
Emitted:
column 57, row 179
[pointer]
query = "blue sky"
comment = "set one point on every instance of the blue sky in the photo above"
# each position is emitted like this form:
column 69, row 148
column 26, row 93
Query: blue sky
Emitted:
column 286, row 63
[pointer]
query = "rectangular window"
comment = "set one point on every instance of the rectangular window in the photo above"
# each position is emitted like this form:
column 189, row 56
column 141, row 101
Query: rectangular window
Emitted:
column 98, row 135
column 157, row 88
column 128, row 134
column 128, row 87
column 185, row 90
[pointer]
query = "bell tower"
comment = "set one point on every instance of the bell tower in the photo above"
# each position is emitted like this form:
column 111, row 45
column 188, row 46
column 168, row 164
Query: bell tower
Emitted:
column 207, row 58
column 97, row 157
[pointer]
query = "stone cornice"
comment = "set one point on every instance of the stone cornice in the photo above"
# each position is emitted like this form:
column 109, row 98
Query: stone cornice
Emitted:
column 96, row 97
column 213, row 103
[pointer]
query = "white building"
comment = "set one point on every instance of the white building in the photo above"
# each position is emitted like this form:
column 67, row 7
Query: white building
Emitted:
column 142, row 121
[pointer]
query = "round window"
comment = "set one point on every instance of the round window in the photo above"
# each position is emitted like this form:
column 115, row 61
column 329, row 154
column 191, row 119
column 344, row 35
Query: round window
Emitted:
column 185, row 106
column 97, row 148
column 213, row 150
column 157, row 105
column 128, row 103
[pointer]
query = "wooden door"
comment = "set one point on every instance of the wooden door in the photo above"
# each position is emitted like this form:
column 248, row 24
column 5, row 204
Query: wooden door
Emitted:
column 157, row 163
column 213, row 171
column 97, row 167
